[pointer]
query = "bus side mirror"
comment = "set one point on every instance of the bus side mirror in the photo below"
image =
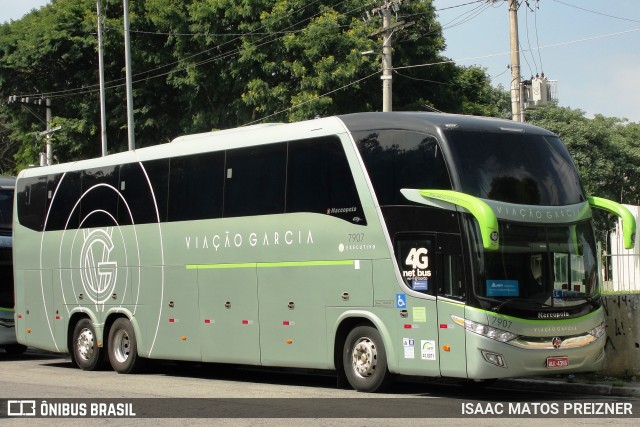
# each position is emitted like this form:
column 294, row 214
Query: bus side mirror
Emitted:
column 628, row 221
column 481, row 211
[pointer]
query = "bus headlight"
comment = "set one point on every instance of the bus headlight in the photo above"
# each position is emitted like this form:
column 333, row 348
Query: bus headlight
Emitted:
column 598, row 331
column 484, row 330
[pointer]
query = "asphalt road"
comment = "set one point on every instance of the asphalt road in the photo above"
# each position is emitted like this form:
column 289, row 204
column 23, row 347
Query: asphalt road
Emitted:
column 179, row 393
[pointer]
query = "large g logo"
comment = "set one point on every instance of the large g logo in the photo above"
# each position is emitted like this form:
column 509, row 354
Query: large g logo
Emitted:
column 98, row 274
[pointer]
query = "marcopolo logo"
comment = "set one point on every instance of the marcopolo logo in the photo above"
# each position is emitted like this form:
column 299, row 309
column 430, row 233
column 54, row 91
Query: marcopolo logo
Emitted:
column 97, row 271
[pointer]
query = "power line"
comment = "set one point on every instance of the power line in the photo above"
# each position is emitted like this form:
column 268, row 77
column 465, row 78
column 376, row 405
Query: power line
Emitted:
column 597, row 13
column 526, row 16
column 493, row 55
column 535, row 20
column 313, row 99
column 473, row 13
column 114, row 83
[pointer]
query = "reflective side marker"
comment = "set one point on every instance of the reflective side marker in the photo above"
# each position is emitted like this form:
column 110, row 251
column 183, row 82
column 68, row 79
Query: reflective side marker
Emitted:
column 28, row 330
column 172, row 320
column 288, row 341
column 446, row 348
column 183, row 338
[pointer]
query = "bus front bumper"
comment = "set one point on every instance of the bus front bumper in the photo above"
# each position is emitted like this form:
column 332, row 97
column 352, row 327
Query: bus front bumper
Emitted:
column 488, row 358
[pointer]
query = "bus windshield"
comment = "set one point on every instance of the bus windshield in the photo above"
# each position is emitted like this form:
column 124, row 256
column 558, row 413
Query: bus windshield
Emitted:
column 528, row 169
column 538, row 267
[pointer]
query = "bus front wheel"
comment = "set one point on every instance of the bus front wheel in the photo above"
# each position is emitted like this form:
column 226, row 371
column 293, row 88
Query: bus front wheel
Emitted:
column 86, row 353
column 365, row 360
column 123, row 349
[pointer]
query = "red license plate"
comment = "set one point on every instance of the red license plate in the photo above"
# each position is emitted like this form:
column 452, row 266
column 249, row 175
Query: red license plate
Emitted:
column 557, row 362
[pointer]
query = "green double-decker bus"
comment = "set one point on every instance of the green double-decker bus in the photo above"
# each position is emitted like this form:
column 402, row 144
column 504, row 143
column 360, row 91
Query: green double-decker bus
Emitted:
column 372, row 244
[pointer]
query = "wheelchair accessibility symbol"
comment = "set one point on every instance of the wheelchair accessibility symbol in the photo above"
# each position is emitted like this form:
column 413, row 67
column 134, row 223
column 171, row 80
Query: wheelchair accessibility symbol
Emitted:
column 401, row 301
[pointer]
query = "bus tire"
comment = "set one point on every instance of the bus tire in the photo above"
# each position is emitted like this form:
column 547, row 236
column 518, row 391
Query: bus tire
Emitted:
column 86, row 353
column 365, row 360
column 122, row 347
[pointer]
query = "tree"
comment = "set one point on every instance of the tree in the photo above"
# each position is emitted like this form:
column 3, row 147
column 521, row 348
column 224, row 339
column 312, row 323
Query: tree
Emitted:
column 200, row 65
column 605, row 150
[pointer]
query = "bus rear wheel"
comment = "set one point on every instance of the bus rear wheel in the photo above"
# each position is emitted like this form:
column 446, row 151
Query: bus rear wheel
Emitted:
column 365, row 360
column 123, row 348
column 86, row 353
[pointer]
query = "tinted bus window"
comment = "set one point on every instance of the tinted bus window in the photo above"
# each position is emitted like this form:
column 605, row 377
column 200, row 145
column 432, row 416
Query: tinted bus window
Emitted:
column 6, row 207
column 141, row 207
column 158, row 173
column 67, row 193
column 255, row 180
column 196, row 187
column 401, row 159
column 319, row 180
column 99, row 197
column 6, row 270
column 515, row 168
column 31, row 195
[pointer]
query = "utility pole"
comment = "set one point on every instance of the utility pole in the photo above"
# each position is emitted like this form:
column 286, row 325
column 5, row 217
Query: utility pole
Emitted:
column 49, row 131
column 387, row 76
column 46, row 158
column 47, row 134
column 387, row 32
column 516, row 105
column 127, row 61
column 103, row 118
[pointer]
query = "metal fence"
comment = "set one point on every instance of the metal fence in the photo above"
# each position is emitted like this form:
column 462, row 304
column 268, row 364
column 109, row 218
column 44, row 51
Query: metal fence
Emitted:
column 621, row 272
column 621, row 267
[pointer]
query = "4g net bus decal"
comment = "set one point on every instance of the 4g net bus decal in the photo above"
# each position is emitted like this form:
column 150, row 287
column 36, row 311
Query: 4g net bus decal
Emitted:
column 415, row 258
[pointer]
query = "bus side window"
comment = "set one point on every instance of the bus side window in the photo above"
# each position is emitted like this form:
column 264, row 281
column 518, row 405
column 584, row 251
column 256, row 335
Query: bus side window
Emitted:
column 255, row 180
column 31, row 195
column 196, row 186
column 450, row 275
column 138, row 206
column 320, row 180
column 64, row 210
column 99, row 203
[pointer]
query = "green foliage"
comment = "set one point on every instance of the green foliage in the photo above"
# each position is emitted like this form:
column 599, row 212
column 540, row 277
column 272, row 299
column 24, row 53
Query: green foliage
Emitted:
column 214, row 64
column 606, row 152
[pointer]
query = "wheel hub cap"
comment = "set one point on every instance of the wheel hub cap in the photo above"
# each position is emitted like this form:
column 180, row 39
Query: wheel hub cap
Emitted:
column 85, row 344
column 365, row 357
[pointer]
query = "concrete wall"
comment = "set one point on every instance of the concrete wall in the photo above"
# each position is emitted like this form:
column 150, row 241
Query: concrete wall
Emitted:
column 623, row 334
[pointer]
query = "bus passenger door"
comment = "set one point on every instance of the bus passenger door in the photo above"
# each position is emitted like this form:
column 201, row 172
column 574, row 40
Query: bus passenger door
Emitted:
column 419, row 317
column 451, row 292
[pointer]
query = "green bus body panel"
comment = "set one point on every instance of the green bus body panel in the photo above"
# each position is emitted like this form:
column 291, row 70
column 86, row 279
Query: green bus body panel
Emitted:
column 454, row 356
column 228, row 315
column 628, row 221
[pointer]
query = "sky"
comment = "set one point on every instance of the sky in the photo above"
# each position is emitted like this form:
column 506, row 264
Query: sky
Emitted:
column 589, row 46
